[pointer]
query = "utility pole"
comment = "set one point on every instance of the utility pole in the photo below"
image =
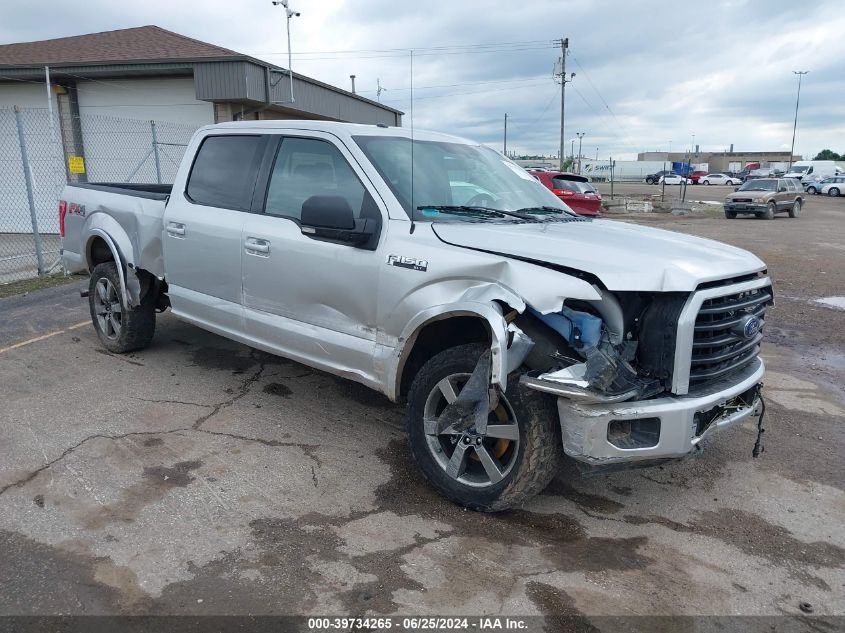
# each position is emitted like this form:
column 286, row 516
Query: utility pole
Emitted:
column 379, row 89
column 580, row 136
column 572, row 152
column 564, row 46
column 505, row 144
column 800, row 74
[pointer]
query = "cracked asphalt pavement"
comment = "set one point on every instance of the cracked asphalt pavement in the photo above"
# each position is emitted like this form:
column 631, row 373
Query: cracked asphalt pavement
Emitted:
column 202, row 477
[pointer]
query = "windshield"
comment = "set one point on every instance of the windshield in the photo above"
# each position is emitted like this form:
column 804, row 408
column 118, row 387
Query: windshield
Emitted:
column 453, row 174
column 799, row 169
column 759, row 185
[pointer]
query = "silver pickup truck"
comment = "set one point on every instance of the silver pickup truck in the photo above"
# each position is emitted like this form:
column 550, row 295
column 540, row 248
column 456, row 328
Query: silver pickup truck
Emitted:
column 438, row 272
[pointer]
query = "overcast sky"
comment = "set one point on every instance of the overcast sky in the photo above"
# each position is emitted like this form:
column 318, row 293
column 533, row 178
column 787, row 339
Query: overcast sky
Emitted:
column 647, row 73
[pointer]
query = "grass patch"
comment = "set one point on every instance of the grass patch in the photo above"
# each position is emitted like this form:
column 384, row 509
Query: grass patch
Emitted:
column 25, row 286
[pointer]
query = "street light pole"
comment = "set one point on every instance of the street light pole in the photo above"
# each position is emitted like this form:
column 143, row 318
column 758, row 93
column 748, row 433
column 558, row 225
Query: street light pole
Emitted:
column 800, row 74
column 564, row 46
column 580, row 136
column 289, row 13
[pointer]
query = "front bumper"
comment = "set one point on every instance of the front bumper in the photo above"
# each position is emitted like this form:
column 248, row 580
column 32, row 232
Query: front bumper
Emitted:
column 745, row 207
column 683, row 421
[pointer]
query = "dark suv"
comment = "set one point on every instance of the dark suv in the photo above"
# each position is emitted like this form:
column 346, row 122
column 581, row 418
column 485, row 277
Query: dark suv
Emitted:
column 653, row 179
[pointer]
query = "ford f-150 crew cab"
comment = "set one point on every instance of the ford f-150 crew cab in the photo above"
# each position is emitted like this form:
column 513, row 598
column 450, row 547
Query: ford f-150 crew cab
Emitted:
column 515, row 330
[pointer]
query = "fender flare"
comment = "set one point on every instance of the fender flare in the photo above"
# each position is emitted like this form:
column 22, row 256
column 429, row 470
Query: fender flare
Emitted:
column 490, row 312
column 120, row 246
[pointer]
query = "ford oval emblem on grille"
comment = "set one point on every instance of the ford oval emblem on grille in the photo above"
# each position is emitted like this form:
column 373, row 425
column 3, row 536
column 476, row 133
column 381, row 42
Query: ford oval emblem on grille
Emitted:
column 748, row 326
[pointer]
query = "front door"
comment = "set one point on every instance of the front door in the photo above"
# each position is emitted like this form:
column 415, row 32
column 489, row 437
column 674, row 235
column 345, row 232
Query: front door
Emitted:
column 311, row 299
column 203, row 228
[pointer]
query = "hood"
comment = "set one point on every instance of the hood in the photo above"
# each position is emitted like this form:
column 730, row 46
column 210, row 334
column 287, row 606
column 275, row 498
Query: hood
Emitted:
column 623, row 256
column 749, row 193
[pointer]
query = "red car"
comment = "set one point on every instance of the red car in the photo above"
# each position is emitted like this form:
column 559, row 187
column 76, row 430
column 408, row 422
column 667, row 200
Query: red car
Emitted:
column 576, row 191
column 697, row 175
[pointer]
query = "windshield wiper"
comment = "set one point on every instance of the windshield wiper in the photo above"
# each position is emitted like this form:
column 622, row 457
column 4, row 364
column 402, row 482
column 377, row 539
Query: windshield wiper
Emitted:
column 463, row 209
column 543, row 210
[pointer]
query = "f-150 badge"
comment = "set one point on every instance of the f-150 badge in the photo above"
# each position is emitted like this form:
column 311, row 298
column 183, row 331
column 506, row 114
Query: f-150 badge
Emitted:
column 407, row 262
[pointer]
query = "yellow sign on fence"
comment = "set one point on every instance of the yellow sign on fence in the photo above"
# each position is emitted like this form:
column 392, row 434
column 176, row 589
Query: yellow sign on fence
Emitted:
column 76, row 164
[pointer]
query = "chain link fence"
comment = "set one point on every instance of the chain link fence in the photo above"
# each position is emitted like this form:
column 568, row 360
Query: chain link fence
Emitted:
column 38, row 156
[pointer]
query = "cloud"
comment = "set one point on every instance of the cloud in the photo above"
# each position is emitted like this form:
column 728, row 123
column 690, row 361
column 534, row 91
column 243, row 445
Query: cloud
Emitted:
column 647, row 73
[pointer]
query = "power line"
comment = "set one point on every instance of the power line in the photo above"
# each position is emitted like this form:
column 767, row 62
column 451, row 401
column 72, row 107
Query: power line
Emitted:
column 429, row 54
column 454, row 94
column 417, row 49
column 466, row 83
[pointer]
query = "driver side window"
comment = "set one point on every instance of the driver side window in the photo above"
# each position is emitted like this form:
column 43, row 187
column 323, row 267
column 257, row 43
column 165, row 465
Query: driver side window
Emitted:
column 305, row 168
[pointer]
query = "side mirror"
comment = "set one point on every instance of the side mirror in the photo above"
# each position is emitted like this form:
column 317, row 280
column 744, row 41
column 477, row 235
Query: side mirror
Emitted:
column 736, row 188
column 331, row 218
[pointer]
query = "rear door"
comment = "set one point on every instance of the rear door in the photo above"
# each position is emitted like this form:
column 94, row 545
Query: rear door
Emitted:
column 784, row 195
column 307, row 298
column 203, row 223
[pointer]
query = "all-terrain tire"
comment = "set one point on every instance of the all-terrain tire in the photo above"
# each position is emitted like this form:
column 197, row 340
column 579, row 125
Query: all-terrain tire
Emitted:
column 137, row 325
column 540, row 452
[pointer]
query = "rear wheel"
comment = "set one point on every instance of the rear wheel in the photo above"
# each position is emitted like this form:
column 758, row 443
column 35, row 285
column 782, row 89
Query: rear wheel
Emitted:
column 515, row 459
column 119, row 327
column 795, row 209
column 833, row 191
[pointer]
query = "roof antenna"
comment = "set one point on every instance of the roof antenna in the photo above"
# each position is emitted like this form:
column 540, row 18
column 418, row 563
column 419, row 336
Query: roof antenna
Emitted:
column 413, row 206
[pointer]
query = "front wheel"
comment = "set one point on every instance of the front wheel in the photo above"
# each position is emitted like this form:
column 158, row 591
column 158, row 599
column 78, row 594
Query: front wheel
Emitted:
column 795, row 209
column 119, row 327
column 811, row 191
column 730, row 215
column 769, row 213
column 515, row 459
column 706, row 182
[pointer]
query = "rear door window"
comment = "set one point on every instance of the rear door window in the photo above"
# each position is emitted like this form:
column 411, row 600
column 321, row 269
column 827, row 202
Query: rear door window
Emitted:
column 225, row 170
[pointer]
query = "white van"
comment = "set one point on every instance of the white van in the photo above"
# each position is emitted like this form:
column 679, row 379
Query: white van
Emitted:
column 806, row 170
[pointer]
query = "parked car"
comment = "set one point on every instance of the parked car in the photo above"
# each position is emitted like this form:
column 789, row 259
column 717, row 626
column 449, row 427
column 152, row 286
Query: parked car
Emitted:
column 720, row 179
column 696, row 176
column 575, row 190
column 764, row 172
column 764, row 197
column 834, row 187
column 653, row 179
column 674, row 179
column 515, row 330
column 814, row 186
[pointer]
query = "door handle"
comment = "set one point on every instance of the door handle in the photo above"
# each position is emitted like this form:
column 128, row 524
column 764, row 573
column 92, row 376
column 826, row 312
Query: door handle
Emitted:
column 176, row 229
column 256, row 246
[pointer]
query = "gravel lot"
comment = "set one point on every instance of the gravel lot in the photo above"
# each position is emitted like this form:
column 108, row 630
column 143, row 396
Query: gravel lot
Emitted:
column 202, row 477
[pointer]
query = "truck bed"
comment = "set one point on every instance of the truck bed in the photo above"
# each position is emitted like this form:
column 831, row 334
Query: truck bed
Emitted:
column 137, row 209
column 142, row 190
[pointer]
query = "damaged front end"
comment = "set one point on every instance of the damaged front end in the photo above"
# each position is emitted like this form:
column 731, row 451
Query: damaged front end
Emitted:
column 591, row 357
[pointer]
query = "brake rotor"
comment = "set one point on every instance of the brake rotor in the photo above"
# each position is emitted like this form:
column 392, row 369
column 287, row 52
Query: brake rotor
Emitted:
column 502, row 444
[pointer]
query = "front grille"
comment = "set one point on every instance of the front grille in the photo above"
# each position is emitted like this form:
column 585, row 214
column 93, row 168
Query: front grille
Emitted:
column 719, row 344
